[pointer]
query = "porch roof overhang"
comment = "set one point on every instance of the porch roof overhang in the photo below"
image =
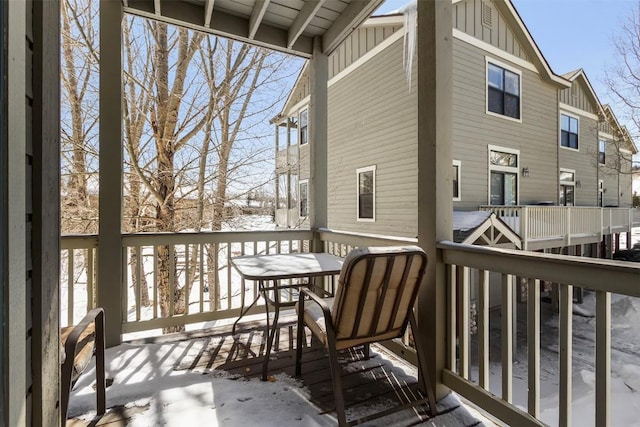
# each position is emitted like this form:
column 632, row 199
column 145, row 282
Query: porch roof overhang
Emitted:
column 285, row 25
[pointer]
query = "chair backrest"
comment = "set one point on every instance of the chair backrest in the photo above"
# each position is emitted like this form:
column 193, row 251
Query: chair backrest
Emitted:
column 376, row 292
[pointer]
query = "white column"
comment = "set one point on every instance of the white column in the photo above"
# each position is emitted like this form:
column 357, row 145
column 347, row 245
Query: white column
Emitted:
column 317, row 120
column 435, row 205
column 110, row 266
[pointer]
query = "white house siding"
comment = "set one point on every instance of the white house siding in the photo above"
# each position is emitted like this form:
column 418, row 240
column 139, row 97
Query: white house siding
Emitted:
column 372, row 121
column 535, row 137
column 467, row 17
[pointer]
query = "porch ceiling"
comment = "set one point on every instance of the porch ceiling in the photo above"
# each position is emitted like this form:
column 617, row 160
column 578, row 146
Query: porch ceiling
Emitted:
column 285, row 25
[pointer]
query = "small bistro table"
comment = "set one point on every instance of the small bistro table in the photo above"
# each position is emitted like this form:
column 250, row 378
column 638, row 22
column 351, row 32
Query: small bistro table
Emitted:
column 273, row 268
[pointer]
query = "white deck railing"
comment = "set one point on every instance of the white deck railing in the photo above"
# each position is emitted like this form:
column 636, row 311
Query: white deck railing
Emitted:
column 462, row 260
column 543, row 227
column 78, row 273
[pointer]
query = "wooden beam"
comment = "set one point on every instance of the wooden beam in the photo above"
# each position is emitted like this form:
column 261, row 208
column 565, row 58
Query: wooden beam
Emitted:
column 351, row 17
column 125, row 3
column 208, row 12
column 157, row 7
column 110, row 259
column 256, row 16
column 190, row 15
column 303, row 19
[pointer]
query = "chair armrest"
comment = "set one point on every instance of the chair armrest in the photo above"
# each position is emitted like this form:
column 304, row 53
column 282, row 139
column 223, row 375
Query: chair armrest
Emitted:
column 96, row 315
column 315, row 298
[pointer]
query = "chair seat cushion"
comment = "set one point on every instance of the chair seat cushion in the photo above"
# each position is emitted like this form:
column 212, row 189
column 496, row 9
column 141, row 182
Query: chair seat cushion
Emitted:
column 314, row 319
column 84, row 349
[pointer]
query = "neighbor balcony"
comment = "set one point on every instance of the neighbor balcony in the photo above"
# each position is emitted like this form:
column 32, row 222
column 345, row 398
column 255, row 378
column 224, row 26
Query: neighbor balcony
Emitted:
column 543, row 227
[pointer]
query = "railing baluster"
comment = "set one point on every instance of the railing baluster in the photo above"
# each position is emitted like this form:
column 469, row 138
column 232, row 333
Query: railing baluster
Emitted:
column 464, row 324
column 483, row 329
column 138, row 288
column 229, row 290
column 70, row 286
column 453, row 310
column 566, row 310
column 201, row 271
column 533, row 346
column 507, row 337
column 215, row 287
column 187, row 279
column 172, row 279
column 90, row 283
column 603, row 358
column 155, row 282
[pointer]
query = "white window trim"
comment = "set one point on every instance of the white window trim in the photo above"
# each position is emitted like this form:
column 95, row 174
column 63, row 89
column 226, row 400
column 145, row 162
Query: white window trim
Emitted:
column 458, row 163
column 600, row 192
column 358, row 172
column 305, row 109
column 488, row 60
column 606, row 144
column 300, row 183
column 573, row 171
column 497, row 168
column 574, row 116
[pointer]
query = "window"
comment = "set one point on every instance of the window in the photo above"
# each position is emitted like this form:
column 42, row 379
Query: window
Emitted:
column 503, row 91
column 503, row 176
column 304, row 126
column 569, row 131
column 602, row 148
column 600, row 193
column 567, row 187
column 366, row 178
column 456, row 180
column 304, row 197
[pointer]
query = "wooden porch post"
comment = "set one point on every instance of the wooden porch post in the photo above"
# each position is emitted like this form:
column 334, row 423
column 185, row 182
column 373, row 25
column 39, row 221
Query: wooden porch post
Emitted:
column 317, row 120
column 45, row 337
column 435, row 205
column 110, row 268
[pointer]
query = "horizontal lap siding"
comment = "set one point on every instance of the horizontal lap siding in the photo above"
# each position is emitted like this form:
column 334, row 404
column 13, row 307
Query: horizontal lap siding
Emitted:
column 473, row 130
column 584, row 161
column 372, row 121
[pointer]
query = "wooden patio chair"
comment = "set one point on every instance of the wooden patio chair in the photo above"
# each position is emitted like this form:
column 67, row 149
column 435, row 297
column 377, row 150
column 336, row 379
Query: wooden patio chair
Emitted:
column 374, row 302
column 80, row 343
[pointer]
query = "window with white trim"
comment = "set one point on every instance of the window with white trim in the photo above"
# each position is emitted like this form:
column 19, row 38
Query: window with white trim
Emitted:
column 503, row 176
column 366, row 192
column 304, row 198
column 600, row 193
column 567, row 187
column 602, row 148
column 457, row 174
column 304, row 127
column 503, row 91
column 569, row 126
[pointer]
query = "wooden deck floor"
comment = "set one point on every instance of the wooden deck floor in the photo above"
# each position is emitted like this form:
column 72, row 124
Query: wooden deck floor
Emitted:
column 367, row 384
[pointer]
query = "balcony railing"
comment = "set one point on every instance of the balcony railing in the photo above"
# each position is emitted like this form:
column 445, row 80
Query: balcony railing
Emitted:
column 464, row 262
column 542, row 227
column 287, row 157
column 200, row 263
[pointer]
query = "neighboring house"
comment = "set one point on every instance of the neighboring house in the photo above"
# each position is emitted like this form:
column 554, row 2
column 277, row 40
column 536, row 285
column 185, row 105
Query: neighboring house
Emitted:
column 522, row 135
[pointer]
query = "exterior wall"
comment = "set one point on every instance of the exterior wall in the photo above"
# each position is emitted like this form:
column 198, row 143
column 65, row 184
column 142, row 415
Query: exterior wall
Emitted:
column 583, row 160
column 372, row 121
column 608, row 173
column 359, row 43
column 578, row 96
column 468, row 18
column 535, row 137
column 625, row 184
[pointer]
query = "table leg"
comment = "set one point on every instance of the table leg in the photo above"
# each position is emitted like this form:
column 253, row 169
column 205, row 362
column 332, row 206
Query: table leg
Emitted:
column 243, row 311
column 271, row 331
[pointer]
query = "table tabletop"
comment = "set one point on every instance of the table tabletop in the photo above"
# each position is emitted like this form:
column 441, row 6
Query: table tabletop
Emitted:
column 287, row 266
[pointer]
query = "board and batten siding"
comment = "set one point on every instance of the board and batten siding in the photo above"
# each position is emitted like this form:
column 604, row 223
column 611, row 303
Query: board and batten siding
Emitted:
column 468, row 18
column 372, row 121
column 578, row 96
column 583, row 161
column 358, row 44
column 536, row 137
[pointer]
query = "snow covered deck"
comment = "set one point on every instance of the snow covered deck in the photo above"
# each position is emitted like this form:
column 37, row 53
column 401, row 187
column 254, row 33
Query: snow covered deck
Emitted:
column 209, row 378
